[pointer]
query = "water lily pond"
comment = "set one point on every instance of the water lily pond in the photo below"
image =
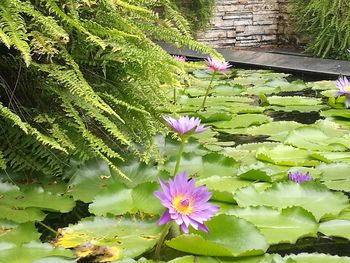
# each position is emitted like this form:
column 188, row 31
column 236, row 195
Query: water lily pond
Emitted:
column 260, row 132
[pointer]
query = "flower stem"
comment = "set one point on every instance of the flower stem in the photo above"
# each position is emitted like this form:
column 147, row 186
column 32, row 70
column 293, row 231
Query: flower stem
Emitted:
column 161, row 240
column 208, row 88
column 174, row 95
column 47, row 227
column 179, row 154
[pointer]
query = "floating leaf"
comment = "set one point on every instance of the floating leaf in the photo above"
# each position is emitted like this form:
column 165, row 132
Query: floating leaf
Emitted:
column 118, row 199
column 314, row 139
column 337, row 228
column 302, row 108
column 332, row 157
column 28, row 253
column 204, row 166
column 336, row 176
column 286, row 155
column 277, row 130
column 242, row 121
column 344, row 113
column 314, row 197
column 89, row 179
column 285, row 226
column 322, row 85
column 21, row 215
column 293, row 101
column 228, row 236
column 223, row 187
column 122, row 238
column 266, row 258
column 17, row 233
column 317, row 258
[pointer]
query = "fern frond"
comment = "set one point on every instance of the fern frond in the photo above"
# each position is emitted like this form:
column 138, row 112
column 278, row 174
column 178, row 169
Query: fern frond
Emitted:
column 15, row 120
column 13, row 25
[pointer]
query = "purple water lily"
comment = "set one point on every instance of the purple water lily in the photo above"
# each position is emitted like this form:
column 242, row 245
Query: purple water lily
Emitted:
column 299, row 177
column 185, row 203
column 185, row 125
column 343, row 85
column 217, row 65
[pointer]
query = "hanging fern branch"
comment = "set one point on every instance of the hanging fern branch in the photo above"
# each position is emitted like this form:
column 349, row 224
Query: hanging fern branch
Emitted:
column 84, row 80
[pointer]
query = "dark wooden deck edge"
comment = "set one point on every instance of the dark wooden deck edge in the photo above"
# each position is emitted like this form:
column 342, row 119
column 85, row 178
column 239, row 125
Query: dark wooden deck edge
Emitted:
column 282, row 62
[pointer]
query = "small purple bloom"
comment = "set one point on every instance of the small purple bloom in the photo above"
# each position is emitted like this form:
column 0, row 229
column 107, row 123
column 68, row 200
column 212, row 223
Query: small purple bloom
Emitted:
column 343, row 85
column 217, row 65
column 180, row 58
column 185, row 125
column 299, row 177
column 185, row 203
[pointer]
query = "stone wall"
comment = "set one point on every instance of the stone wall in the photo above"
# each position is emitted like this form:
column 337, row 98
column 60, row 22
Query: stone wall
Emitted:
column 248, row 23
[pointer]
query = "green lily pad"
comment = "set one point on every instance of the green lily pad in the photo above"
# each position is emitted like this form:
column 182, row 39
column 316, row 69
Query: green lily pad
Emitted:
column 314, row 197
column 336, row 176
column 343, row 113
column 332, row 157
column 314, row 139
column 118, row 199
column 286, row 155
column 293, row 101
column 322, row 85
column 204, row 166
column 285, row 226
column 302, row 108
column 28, row 253
column 266, row 258
column 17, row 233
column 337, row 228
column 89, row 179
column 223, row 187
column 228, row 236
column 122, row 238
column 24, row 206
column 277, row 130
column 317, row 258
column 242, row 121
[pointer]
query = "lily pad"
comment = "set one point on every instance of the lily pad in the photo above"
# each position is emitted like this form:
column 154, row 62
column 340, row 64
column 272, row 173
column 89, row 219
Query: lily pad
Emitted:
column 314, row 139
column 285, row 226
column 336, row 176
column 286, row 155
column 228, row 236
column 293, row 101
column 223, row 187
column 337, row 228
column 28, row 253
column 242, row 121
column 277, row 130
column 317, row 258
column 314, row 197
column 118, row 199
column 121, row 238
column 17, row 233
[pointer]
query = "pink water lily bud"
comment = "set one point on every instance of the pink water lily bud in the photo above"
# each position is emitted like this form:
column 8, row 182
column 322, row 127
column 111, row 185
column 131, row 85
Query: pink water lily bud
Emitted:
column 217, row 65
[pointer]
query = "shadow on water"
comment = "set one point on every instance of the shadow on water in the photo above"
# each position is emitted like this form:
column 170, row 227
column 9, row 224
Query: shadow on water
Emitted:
column 242, row 139
column 322, row 244
column 301, row 117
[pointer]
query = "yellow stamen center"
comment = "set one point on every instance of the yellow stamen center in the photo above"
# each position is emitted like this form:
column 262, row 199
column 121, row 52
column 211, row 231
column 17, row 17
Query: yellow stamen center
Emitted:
column 182, row 205
column 347, row 88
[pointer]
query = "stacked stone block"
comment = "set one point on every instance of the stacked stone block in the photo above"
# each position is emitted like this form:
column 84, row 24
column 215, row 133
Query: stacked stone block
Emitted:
column 247, row 23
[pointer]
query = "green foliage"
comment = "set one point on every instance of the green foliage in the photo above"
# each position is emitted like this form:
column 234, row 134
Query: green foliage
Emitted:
column 83, row 79
column 197, row 12
column 327, row 25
